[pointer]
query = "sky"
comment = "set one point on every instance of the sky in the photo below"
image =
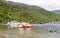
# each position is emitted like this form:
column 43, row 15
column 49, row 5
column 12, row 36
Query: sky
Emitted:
column 46, row 4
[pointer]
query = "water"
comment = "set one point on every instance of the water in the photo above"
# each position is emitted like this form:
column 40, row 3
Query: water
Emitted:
column 47, row 27
column 38, row 31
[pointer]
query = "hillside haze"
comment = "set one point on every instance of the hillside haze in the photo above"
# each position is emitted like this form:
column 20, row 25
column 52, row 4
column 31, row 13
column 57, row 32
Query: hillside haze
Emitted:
column 25, row 13
column 57, row 11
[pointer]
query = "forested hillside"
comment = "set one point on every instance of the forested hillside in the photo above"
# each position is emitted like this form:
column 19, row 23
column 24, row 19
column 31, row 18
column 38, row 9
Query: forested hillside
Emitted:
column 25, row 13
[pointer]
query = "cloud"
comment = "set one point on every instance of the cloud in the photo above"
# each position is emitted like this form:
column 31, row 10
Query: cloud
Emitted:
column 47, row 4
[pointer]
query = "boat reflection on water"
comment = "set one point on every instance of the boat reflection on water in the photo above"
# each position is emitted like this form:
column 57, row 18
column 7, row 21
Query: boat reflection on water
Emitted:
column 21, row 30
column 24, row 27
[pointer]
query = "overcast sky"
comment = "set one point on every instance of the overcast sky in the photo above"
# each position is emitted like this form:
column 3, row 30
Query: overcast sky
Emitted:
column 47, row 4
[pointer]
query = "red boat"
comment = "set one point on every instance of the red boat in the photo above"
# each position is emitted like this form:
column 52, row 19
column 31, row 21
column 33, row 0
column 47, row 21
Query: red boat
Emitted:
column 25, row 27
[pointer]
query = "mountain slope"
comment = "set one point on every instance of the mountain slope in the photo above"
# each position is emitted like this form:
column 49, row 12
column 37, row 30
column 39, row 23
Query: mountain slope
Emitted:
column 57, row 11
column 25, row 13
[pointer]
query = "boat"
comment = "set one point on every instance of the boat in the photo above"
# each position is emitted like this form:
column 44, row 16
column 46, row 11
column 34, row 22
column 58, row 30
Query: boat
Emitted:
column 24, row 25
column 19, row 25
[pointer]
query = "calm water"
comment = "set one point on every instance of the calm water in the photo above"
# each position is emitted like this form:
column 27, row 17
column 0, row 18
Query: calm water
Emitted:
column 47, row 27
column 38, row 31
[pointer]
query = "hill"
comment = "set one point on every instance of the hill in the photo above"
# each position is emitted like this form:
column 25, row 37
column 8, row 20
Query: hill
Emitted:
column 57, row 11
column 25, row 13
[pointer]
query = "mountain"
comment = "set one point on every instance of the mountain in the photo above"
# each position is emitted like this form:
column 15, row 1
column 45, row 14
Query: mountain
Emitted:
column 57, row 11
column 25, row 13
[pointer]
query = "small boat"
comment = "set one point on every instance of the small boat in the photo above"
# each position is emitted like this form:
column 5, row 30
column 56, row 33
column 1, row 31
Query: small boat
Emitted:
column 18, row 25
column 25, row 26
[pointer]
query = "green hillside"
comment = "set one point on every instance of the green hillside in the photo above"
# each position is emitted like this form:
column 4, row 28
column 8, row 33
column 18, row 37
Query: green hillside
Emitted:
column 25, row 13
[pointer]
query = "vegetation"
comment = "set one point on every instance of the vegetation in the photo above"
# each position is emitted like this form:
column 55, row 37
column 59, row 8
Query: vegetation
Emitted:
column 25, row 13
